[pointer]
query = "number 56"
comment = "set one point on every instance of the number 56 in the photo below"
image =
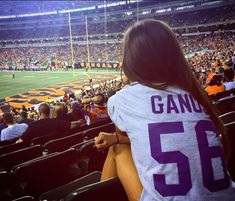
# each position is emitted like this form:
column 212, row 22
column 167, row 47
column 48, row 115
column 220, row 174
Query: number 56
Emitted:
column 206, row 153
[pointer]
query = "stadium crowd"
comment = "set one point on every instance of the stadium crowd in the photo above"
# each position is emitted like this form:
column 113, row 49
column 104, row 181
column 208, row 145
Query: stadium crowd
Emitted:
column 88, row 107
column 217, row 47
column 51, row 27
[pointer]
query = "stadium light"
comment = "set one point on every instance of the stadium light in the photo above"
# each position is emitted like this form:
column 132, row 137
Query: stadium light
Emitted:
column 77, row 9
column 7, row 16
column 37, row 14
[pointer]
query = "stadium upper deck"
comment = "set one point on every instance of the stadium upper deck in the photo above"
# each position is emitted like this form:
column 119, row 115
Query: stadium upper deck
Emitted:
column 52, row 22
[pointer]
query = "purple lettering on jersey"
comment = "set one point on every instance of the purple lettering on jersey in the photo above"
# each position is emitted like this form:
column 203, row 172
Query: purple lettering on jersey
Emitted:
column 171, row 104
column 184, row 103
column 155, row 110
column 155, row 131
column 206, row 154
column 195, row 104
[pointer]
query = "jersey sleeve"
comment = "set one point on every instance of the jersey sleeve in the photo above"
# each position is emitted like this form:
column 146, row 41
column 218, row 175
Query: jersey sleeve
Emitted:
column 115, row 113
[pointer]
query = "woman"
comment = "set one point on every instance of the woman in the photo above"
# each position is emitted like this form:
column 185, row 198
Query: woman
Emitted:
column 171, row 124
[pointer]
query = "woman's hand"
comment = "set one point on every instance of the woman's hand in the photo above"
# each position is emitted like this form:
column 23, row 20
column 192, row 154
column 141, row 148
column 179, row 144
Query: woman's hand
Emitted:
column 105, row 140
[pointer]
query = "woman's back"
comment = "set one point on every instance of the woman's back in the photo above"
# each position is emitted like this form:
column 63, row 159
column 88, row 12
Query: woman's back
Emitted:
column 174, row 144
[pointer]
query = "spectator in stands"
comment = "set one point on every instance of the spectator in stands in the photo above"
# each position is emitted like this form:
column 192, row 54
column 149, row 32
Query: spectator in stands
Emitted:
column 24, row 109
column 97, row 109
column 61, row 111
column 24, row 118
column 170, row 147
column 65, row 97
column 14, row 130
column 46, row 126
column 72, row 96
column 77, row 113
column 2, row 124
column 215, row 86
column 229, row 82
column 210, row 74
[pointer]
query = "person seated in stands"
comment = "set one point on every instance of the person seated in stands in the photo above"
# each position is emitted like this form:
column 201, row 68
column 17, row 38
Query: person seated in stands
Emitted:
column 14, row 130
column 2, row 124
column 72, row 96
column 210, row 73
column 215, row 86
column 24, row 109
column 172, row 127
column 229, row 81
column 61, row 112
column 97, row 108
column 46, row 126
column 24, row 118
column 65, row 97
column 76, row 111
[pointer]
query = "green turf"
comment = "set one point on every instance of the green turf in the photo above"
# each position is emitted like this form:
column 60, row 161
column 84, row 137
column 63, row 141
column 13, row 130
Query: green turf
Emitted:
column 25, row 81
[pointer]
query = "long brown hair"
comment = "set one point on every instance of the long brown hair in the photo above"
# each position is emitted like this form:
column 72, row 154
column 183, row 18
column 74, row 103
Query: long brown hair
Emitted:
column 153, row 57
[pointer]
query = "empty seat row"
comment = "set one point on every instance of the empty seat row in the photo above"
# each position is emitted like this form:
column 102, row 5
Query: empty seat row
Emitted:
column 44, row 173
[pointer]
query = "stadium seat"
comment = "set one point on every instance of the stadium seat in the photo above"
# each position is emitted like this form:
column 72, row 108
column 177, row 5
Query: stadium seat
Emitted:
column 226, row 104
column 99, row 123
column 9, row 160
column 89, row 159
column 63, row 143
column 24, row 198
column 220, row 95
column 93, row 132
column 45, row 173
column 228, row 117
column 86, row 127
column 61, row 192
column 7, row 142
column 13, row 147
column 5, row 181
column 43, row 139
column 108, row 190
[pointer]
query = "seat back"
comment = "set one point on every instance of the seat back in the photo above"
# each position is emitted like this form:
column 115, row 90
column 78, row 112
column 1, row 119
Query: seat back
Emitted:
column 107, row 190
column 90, row 159
column 228, row 117
column 13, row 147
column 61, row 192
column 7, row 142
column 63, row 143
column 84, row 127
column 99, row 123
column 46, row 173
column 8, row 160
column 43, row 139
column 225, row 105
column 5, row 181
column 24, row 198
column 93, row 132
column 220, row 95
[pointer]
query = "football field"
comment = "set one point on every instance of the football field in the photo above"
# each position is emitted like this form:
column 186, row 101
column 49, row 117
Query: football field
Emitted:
column 24, row 81
column 30, row 88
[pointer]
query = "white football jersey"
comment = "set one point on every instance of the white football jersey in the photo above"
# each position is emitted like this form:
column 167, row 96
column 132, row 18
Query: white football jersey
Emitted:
column 175, row 147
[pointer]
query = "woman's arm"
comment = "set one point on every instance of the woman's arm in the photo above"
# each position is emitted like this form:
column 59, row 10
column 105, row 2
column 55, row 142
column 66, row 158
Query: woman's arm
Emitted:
column 105, row 140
